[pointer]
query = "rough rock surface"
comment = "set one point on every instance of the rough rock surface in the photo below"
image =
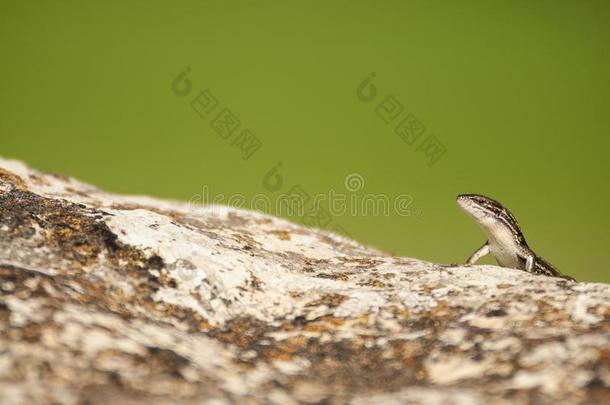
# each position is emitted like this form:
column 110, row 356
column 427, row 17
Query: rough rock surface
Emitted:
column 114, row 299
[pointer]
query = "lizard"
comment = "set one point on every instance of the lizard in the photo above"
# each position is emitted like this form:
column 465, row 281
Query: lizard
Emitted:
column 505, row 240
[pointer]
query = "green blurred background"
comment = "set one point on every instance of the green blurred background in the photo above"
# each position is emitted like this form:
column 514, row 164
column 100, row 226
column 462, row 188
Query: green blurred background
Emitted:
column 516, row 91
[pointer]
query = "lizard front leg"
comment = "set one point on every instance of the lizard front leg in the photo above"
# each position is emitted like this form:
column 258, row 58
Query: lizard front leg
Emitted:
column 479, row 253
column 529, row 263
column 527, row 259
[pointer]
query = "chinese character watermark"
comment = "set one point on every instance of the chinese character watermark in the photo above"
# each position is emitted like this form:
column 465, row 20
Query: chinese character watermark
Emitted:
column 408, row 128
column 225, row 123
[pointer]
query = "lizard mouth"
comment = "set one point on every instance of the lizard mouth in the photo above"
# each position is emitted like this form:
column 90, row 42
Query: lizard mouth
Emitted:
column 465, row 201
column 470, row 206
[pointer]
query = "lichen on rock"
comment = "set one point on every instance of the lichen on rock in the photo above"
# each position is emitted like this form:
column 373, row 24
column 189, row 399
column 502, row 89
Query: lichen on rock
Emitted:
column 133, row 299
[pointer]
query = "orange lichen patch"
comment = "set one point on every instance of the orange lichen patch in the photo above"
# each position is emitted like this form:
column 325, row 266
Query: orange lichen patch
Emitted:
column 437, row 318
column 363, row 319
column 363, row 261
column 58, row 290
column 12, row 179
column 427, row 289
column 281, row 235
column 60, row 177
column 234, row 219
column 442, row 311
column 296, row 294
column 248, row 241
column 598, row 393
column 295, row 343
column 255, row 282
column 127, row 207
column 291, row 325
column 77, row 192
column 351, row 365
column 334, row 276
column 330, row 300
column 373, row 282
column 316, row 327
column 333, row 320
column 421, row 375
column 504, row 286
column 604, row 356
column 407, row 349
column 602, row 310
column 72, row 231
column 194, row 320
column 32, row 332
column 38, row 180
column 77, row 237
column 346, row 365
column 312, row 261
column 343, row 246
column 547, row 313
column 410, row 354
column 277, row 354
column 242, row 332
column 18, row 277
column 324, row 324
column 400, row 312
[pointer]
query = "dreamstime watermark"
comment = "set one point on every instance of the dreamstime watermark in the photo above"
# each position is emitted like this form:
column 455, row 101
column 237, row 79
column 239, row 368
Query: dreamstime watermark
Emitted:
column 225, row 123
column 319, row 211
column 349, row 201
column 227, row 127
column 408, row 128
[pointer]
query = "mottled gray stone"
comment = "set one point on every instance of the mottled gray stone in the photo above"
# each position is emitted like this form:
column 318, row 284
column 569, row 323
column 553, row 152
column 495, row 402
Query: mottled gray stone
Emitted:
column 108, row 298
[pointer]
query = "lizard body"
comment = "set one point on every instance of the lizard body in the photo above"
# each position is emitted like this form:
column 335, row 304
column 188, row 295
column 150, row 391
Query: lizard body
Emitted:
column 505, row 240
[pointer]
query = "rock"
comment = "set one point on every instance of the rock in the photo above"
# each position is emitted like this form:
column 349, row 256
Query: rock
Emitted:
column 119, row 299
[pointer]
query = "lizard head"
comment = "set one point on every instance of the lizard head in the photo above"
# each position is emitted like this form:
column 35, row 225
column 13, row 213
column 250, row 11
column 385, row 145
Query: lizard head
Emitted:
column 490, row 215
column 478, row 206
